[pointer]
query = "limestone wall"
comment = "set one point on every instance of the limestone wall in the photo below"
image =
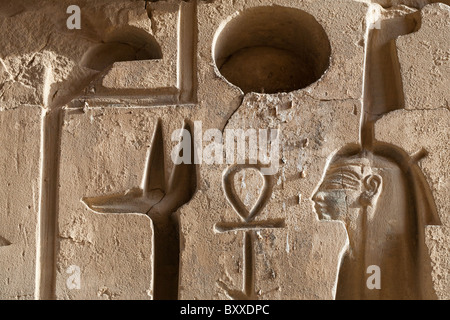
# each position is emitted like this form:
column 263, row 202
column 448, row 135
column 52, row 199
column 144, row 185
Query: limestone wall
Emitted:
column 254, row 149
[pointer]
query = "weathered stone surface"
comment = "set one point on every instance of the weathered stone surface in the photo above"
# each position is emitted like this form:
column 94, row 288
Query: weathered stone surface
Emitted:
column 427, row 130
column 323, row 106
column 114, row 251
column 95, row 242
column 50, row 64
column 411, row 3
column 95, row 204
column 154, row 42
column 282, row 254
column 425, row 74
column 423, row 129
column 19, row 201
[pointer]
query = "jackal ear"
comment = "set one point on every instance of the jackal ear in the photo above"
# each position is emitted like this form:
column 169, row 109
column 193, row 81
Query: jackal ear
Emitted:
column 373, row 186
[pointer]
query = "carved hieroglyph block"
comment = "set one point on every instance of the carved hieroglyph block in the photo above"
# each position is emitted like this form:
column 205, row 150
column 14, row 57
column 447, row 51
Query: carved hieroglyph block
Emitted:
column 49, row 64
column 118, row 219
column 155, row 39
column 270, row 24
column 278, row 249
column 286, row 238
column 143, row 206
column 116, row 202
column 427, row 130
column 19, row 199
column 423, row 128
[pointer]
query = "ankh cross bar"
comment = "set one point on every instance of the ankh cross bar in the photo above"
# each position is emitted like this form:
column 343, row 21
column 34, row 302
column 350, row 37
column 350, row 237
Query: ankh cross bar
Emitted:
column 248, row 225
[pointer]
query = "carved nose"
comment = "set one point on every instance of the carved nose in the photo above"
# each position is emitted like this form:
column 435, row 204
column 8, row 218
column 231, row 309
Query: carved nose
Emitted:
column 318, row 196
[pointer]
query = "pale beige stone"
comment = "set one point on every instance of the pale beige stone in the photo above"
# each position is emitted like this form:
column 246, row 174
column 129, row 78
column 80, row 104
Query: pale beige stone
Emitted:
column 411, row 3
column 19, row 202
column 300, row 242
column 93, row 206
column 103, row 245
column 106, row 225
column 422, row 130
column 425, row 74
column 428, row 131
column 153, row 41
column 311, row 110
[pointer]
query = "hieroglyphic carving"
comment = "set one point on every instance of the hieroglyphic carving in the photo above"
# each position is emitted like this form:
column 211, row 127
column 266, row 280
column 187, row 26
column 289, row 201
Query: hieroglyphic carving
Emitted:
column 159, row 200
column 382, row 203
column 376, row 189
column 248, row 225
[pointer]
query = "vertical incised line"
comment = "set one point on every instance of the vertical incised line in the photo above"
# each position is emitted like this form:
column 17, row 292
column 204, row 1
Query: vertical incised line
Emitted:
column 187, row 61
column 363, row 266
column 46, row 261
column 366, row 126
column 249, row 281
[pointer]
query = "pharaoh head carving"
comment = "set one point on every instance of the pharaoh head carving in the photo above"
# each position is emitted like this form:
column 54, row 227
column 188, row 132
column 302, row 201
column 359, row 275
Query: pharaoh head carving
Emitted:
column 349, row 185
column 385, row 204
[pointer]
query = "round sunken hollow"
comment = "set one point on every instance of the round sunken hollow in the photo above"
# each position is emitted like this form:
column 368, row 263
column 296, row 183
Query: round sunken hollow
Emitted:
column 272, row 49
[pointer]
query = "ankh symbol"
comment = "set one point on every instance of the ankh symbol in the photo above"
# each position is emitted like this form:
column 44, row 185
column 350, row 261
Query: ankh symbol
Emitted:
column 248, row 225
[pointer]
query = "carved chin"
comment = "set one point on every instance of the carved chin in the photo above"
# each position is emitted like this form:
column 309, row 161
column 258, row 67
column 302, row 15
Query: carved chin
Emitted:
column 325, row 216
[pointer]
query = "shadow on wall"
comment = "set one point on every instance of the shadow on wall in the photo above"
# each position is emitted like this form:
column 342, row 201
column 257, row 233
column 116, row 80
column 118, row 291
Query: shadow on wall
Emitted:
column 159, row 198
column 385, row 203
column 124, row 44
column 127, row 44
column 282, row 50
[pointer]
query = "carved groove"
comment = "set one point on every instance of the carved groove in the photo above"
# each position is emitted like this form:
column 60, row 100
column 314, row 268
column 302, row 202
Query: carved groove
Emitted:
column 282, row 50
column 159, row 203
column 248, row 226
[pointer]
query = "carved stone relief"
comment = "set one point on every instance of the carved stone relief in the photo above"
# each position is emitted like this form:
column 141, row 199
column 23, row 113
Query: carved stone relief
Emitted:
column 220, row 149
column 383, row 204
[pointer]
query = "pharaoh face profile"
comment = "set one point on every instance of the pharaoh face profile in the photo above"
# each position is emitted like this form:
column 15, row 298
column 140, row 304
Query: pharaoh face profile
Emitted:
column 349, row 185
column 384, row 204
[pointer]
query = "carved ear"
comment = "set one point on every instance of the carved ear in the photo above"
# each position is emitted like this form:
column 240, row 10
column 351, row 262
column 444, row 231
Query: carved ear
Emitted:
column 373, row 187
